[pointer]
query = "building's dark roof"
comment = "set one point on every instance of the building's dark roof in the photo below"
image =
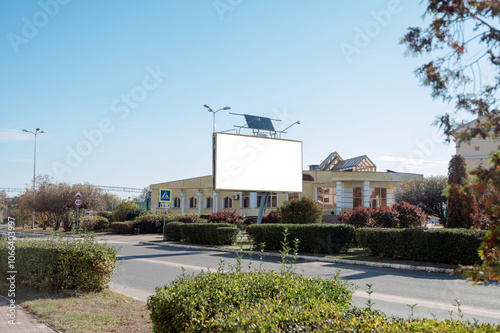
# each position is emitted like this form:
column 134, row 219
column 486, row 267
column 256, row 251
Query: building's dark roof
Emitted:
column 349, row 163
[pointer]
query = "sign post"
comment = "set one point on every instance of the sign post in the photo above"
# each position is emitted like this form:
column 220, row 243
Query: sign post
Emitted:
column 78, row 203
column 164, row 199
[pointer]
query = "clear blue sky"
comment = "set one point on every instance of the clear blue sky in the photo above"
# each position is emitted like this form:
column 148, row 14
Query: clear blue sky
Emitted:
column 119, row 86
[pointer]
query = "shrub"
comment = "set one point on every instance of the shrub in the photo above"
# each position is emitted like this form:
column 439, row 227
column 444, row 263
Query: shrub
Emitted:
column 187, row 218
column 448, row 246
column 409, row 216
column 94, row 223
column 276, row 302
column 122, row 227
column 272, row 217
column 127, row 211
column 301, row 211
column 359, row 217
column 202, row 233
column 108, row 215
column 148, row 227
column 205, row 216
column 150, row 217
column 245, row 302
column 225, row 217
column 386, row 217
column 60, row 264
column 227, row 235
column 322, row 238
column 173, row 231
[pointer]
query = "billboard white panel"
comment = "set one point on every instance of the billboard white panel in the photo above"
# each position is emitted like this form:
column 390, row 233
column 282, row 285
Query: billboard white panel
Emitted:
column 251, row 163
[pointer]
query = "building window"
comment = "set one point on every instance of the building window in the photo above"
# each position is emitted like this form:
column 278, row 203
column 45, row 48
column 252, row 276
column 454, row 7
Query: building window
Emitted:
column 245, row 200
column 272, row 200
column 378, row 197
column 192, row 202
column 357, row 197
column 227, row 202
column 209, row 202
column 176, row 203
column 476, row 148
column 293, row 196
column 326, row 196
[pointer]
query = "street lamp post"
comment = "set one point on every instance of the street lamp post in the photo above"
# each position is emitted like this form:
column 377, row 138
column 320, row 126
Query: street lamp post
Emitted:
column 214, row 112
column 213, row 148
column 35, row 133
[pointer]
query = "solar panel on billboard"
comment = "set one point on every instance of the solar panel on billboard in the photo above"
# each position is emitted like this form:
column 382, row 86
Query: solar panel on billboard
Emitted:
column 260, row 123
column 250, row 163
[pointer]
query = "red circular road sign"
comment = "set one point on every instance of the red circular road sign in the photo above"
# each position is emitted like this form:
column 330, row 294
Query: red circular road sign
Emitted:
column 78, row 202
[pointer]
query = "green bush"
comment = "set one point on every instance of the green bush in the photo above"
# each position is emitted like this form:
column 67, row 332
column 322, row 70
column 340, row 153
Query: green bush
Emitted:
column 227, row 235
column 243, row 302
column 60, row 264
column 122, row 227
column 301, row 211
column 202, row 233
column 317, row 238
column 173, row 231
column 94, row 223
column 449, row 246
column 127, row 211
column 205, row 216
column 107, row 215
column 276, row 302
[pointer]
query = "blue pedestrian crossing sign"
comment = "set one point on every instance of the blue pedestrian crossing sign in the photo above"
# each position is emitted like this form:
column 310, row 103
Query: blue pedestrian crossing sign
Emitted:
column 165, row 195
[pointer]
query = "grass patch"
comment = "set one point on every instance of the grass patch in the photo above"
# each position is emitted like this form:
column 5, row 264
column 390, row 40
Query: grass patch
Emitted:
column 69, row 312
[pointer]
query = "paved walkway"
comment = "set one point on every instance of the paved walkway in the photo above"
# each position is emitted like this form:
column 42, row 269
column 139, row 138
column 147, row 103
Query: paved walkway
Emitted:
column 24, row 321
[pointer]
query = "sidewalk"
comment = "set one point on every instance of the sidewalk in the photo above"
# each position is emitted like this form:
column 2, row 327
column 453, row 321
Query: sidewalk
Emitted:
column 24, row 321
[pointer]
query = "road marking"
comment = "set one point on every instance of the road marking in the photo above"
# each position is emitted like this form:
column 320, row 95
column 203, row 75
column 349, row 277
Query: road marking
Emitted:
column 429, row 304
column 170, row 264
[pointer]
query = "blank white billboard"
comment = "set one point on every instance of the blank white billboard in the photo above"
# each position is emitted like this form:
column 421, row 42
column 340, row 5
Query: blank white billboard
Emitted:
column 251, row 163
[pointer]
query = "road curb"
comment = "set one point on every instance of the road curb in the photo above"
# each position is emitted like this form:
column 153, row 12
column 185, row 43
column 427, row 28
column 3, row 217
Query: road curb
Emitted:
column 428, row 269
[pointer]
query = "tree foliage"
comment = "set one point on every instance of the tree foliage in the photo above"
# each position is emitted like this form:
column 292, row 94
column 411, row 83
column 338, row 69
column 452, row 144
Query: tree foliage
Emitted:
column 427, row 193
column 54, row 201
column 127, row 211
column 464, row 37
column 300, row 211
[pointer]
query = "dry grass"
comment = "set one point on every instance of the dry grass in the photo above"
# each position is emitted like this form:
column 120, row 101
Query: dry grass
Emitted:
column 75, row 312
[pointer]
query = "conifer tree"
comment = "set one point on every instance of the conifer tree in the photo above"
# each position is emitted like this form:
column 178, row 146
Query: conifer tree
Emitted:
column 460, row 204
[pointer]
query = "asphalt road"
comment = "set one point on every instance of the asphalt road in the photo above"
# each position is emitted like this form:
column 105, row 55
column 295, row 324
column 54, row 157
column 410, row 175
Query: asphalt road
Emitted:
column 143, row 267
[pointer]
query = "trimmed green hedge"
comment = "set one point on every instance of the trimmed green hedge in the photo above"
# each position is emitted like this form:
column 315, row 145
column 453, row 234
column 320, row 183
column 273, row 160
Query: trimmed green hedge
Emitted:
column 448, row 246
column 314, row 238
column 227, row 235
column 203, row 233
column 59, row 264
column 173, row 231
column 122, row 227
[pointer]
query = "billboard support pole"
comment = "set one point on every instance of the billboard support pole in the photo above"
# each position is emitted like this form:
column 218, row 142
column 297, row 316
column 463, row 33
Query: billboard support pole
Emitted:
column 263, row 205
